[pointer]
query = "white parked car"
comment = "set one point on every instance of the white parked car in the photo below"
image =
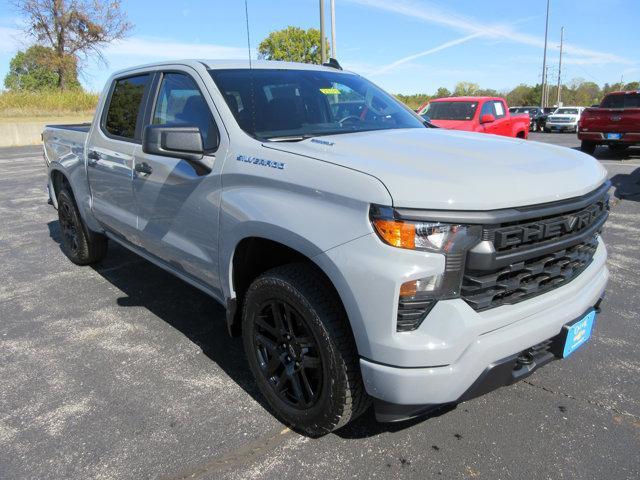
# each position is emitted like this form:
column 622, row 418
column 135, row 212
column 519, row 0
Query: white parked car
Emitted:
column 564, row 119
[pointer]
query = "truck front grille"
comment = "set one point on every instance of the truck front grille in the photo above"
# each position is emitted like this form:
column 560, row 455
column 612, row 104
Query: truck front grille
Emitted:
column 522, row 280
column 522, row 258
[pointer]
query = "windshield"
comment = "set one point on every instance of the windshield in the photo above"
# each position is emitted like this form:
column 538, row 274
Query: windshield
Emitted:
column 621, row 101
column 274, row 104
column 566, row 111
column 450, row 110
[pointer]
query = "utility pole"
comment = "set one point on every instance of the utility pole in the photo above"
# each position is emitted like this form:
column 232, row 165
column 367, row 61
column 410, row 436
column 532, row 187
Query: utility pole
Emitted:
column 323, row 45
column 333, row 29
column 544, row 60
column 560, row 66
column 547, row 90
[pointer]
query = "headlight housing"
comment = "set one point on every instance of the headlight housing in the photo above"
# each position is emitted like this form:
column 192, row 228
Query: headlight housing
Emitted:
column 418, row 297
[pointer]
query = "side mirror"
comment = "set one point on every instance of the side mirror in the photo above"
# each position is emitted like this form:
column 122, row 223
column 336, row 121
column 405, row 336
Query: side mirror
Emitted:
column 487, row 118
column 178, row 141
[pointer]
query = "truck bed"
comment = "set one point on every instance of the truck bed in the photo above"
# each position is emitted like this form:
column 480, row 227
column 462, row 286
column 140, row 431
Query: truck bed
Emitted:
column 65, row 140
column 77, row 127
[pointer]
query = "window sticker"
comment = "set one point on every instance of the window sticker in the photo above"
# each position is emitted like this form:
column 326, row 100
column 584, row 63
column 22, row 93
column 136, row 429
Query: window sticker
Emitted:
column 330, row 91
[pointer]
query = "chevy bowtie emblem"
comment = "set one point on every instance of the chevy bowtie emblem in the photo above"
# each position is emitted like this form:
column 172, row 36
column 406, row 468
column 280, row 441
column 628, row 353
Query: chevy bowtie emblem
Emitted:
column 616, row 118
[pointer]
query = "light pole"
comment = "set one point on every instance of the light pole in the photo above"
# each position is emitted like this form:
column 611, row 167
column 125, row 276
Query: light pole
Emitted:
column 560, row 67
column 544, row 60
column 333, row 29
column 323, row 47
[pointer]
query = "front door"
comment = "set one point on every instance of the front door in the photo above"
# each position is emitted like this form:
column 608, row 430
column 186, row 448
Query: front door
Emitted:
column 177, row 201
column 111, row 147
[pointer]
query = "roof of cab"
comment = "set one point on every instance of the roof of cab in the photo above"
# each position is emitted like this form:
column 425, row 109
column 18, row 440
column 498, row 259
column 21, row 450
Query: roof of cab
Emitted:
column 235, row 64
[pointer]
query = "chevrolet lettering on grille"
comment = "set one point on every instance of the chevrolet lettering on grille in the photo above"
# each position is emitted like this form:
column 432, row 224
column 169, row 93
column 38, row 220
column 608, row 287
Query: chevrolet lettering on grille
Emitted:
column 545, row 229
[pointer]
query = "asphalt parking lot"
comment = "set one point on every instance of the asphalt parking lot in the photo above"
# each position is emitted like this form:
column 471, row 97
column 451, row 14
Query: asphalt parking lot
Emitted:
column 122, row 371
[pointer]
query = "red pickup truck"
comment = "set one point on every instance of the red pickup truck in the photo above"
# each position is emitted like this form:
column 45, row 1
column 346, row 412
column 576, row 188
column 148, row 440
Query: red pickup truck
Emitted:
column 476, row 114
column 616, row 122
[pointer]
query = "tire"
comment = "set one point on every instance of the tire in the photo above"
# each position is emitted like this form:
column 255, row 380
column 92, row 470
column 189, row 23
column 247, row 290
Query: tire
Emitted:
column 588, row 147
column 534, row 127
column 618, row 148
column 80, row 245
column 301, row 351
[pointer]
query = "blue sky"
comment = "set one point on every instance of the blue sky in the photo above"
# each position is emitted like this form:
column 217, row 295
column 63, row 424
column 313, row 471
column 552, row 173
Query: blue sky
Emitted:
column 406, row 46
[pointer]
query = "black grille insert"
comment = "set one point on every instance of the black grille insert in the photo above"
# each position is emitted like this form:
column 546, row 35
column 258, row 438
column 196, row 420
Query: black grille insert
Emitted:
column 519, row 281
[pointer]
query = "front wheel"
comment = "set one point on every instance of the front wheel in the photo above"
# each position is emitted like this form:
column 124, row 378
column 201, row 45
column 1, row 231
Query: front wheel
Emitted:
column 301, row 351
column 588, row 147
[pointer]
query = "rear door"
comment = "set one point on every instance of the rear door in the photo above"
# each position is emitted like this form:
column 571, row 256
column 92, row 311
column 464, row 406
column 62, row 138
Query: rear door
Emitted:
column 111, row 146
column 178, row 201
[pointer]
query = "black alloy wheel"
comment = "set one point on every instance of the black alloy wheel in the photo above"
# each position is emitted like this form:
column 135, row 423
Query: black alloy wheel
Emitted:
column 69, row 227
column 288, row 354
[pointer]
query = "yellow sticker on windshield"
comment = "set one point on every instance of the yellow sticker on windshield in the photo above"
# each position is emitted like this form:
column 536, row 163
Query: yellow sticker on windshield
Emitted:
column 330, row 91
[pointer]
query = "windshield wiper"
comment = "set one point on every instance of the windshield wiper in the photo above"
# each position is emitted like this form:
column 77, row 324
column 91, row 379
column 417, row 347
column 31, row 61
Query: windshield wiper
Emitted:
column 291, row 138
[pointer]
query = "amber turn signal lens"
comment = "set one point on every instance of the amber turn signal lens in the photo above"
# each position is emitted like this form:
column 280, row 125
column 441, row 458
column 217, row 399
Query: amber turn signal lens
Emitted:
column 409, row 289
column 397, row 234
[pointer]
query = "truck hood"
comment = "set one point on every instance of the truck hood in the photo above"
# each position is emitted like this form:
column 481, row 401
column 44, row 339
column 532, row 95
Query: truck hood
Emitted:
column 447, row 169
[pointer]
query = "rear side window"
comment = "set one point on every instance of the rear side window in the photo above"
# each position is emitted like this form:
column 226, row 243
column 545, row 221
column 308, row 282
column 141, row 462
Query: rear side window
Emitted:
column 180, row 102
column 125, row 105
column 628, row 100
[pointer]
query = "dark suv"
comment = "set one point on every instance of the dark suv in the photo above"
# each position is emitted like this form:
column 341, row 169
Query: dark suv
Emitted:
column 536, row 115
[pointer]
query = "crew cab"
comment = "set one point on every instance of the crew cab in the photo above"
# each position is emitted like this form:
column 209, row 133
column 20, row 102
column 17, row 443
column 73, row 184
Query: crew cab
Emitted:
column 363, row 257
column 615, row 123
column 564, row 119
column 476, row 114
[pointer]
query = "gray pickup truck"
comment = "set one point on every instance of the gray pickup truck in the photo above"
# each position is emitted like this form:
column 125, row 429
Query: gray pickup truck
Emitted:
column 363, row 256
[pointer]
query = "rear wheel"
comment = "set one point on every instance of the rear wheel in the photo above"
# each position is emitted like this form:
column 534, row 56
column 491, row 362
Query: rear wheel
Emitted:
column 588, row 147
column 301, row 351
column 80, row 245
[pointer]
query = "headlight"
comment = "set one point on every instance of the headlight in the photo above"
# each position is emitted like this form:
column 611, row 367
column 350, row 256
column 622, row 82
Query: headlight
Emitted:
column 429, row 236
column 418, row 297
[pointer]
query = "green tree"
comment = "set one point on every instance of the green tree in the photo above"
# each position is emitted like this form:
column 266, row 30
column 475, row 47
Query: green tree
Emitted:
column 442, row 92
column 632, row 86
column 466, row 89
column 73, row 29
column 34, row 69
column 292, row 44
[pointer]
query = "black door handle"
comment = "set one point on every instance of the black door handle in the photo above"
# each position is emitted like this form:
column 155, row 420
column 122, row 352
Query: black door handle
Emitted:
column 143, row 167
column 93, row 157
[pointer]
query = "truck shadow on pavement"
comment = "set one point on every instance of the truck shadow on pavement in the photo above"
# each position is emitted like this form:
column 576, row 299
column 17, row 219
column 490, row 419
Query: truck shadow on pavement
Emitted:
column 202, row 320
column 604, row 153
column 627, row 185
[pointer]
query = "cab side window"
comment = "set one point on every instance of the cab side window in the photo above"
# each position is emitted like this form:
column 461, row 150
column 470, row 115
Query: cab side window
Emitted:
column 180, row 102
column 123, row 118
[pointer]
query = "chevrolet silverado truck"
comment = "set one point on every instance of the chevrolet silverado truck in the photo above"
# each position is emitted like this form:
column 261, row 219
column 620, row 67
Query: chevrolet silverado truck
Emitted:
column 363, row 257
column 476, row 114
column 563, row 119
column 615, row 123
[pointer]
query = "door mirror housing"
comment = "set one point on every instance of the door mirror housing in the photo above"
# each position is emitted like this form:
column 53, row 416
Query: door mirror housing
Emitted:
column 487, row 118
column 178, row 141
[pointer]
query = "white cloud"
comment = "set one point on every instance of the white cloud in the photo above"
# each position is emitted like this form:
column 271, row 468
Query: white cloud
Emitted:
column 397, row 63
column 429, row 13
column 159, row 48
column 10, row 40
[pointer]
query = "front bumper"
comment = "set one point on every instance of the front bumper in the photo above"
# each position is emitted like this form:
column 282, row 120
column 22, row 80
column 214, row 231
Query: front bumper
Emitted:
column 500, row 373
column 533, row 321
column 561, row 126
